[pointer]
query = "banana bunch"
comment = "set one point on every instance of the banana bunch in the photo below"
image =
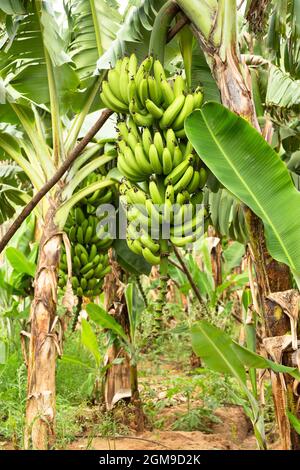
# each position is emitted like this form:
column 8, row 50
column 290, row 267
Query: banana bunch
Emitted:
column 156, row 100
column 145, row 153
column 115, row 92
column 89, row 242
column 100, row 196
column 162, row 212
column 145, row 93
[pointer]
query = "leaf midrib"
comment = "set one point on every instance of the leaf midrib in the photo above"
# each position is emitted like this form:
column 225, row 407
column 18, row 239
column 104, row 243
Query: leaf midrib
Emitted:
column 252, row 194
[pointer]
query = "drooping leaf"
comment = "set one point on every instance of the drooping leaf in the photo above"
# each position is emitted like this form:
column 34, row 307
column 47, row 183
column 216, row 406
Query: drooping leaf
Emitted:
column 222, row 354
column 295, row 422
column 89, row 340
column 134, row 34
column 103, row 319
column 19, row 261
column 245, row 163
column 131, row 262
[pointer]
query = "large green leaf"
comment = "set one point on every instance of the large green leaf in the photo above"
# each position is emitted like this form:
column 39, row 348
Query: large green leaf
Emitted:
column 134, row 34
column 89, row 340
column 94, row 25
column 246, row 164
column 19, row 261
column 105, row 320
column 129, row 261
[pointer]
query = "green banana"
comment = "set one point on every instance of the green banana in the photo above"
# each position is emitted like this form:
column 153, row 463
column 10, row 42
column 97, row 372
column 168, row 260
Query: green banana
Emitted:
column 132, row 65
column 171, row 140
column 154, row 91
column 179, row 85
column 177, row 157
column 155, row 194
column 79, row 216
column 181, row 134
column 184, row 180
column 203, row 177
column 124, row 80
column 167, row 92
column 132, row 141
column 154, row 160
column 113, row 78
column 111, row 100
column 79, row 234
column 93, row 252
column 159, row 72
column 198, row 99
column 184, row 113
column 142, row 160
column 170, row 194
column 158, row 142
column 154, row 109
column 146, row 139
column 150, row 257
column 171, row 112
column 86, row 268
column 147, row 242
column 143, row 121
column 167, row 161
column 178, row 172
column 195, row 182
column 88, row 234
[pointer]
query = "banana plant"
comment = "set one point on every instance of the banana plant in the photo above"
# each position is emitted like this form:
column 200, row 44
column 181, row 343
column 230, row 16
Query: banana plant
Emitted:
column 222, row 354
column 41, row 90
column 127, row 340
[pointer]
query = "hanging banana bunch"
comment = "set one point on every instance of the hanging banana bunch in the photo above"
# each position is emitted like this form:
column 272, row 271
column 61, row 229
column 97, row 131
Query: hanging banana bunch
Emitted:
column 89, row 243
column 163, row 175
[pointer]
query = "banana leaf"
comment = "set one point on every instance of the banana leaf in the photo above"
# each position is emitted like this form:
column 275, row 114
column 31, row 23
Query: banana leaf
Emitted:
column 248, row 167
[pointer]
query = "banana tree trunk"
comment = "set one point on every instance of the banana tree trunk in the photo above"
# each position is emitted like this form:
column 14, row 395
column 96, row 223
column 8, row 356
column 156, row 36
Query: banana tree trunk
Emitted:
column 234, row 82
column 43, row 345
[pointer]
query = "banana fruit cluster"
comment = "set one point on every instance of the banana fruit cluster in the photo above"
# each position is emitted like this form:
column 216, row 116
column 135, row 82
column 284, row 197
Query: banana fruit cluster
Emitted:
column 89, row 244
column 161, row 206
column 147, row 94
column 143, row 153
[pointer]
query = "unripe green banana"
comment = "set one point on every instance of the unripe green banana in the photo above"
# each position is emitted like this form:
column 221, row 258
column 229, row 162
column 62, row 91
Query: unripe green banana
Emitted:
column 179, row 85
column 154, row 109
column 177, row 157
column 144, row 121
column 132, row 141
column 184, row 180
column 113, row 78
column 123, row 168
column 142, row 160
column 76, row 263
column 167, row 161
column 155, row 194
column 133, row 127
column 124, row 80
column 147, row 242
column 170, row 194
column 83, row 259
column 150, row 257
column 79, row 292
column 93, row 252
column 75, row 282
column 79, row 216
column 167, row 93
column 98, row 271
column 198, row 99
column 86, row 268
column 171, row 140
column 132, row 65
column 203, row 177
column 159, row 72
column 146, row 139
column 184, row 113
column 79, row 234
column 72, row 234
column 171, row 112
column 89, row 274
column 111, row 101
column 88, row 234
column 195, row 182
column 154, row 160
column 143, row 91
column 132, row 90
column 137, row 246
column 178, row 172
column 159, row 143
